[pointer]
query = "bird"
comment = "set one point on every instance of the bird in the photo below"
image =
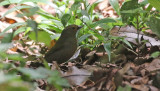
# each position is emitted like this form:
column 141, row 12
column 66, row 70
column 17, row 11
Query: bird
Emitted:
column 65, row 46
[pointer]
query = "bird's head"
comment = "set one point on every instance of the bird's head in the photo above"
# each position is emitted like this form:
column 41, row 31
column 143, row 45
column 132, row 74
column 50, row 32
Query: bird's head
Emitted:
column 72, row 29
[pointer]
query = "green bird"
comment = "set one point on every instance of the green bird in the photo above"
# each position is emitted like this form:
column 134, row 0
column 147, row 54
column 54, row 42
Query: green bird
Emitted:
column 65, row 47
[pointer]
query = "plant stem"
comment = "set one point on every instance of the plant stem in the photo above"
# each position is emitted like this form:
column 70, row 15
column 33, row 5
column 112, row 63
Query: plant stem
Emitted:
column 138, row 31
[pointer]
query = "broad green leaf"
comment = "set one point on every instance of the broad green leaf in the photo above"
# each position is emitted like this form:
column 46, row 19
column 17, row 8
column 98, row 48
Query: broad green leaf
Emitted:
column 50, row 20
column 56, row 80
column 5, row 2
column 19, row 30
column 52, row 77
column 45, row 29
column 83, row 37
column 20, row 86
column 75, row 6
column 43, row 1
column 105, row 20
column 128, row 5
column 144, row 2
column 12, row 26
column 42, row 37
column 33, row 25
column 47, row 15
column 16, row 8
column 7, row 38
column 36, row 1
column 84, row 12
column 155, row 54
column 6, row 78
column 5, row 46
column 155, row 3
column 12, row 82
column 78, row 0
column 107, row 47
column 87, row 20
column 39, row 73
column 17, row 57
column 55, row 36
column 78, row 22
column 46, row 64
column 24, row 1
column 65, row 18
column 153, row 23
column 57, row 23
column 126, row 88
column 100, row 37
column 133, row 11
column 115, row 5
column 31, row 11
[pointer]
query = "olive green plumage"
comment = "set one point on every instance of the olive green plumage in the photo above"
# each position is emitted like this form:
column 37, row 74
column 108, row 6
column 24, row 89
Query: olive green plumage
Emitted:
column 65, row 47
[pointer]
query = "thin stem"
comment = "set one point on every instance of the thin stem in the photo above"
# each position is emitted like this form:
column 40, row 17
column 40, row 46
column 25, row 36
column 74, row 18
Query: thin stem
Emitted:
column 138, row 31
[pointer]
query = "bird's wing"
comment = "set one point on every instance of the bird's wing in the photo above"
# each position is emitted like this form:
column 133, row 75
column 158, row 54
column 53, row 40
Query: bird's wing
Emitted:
column 56, row 48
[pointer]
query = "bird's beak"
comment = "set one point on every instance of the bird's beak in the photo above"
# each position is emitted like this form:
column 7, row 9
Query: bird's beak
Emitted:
column 79, row 27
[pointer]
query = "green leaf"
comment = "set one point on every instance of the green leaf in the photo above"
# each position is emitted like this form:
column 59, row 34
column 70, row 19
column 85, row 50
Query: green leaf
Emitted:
column 126, row 42
column 85, row 13
column 12, row 26
column 115, row 5
column 41, row 1
column 75, row 6
column 52, row 77
column 128, row 5
column 29, row 13
column 42, row 37
column 78, row 22
column 12, row 82
column 144, row 2
column 20, row 86
column 133, row 11
column 105, row 20
column 46, row 64
column 56, row 80
column 126, row 88
column 6, row 78
column 6, row 2
column 17, row 57
column 5, row 46
column 153, row 23
column 16, row 8
column 45, row 29
column 100, row 37
column 39, row 73
column 7, row 38
column 91, row 7
column 55, row 36
column 19, row 30
column 33, row 25
column 47, row 15
column 65, row 18
column 83, row 37
column 57, row 23
column 107, row 47
column 24, row 1
column 155, row 3
column 155, row 54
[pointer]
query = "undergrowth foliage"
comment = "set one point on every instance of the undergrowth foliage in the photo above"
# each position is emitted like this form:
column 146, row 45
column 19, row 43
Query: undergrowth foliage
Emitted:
column 50, row 26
